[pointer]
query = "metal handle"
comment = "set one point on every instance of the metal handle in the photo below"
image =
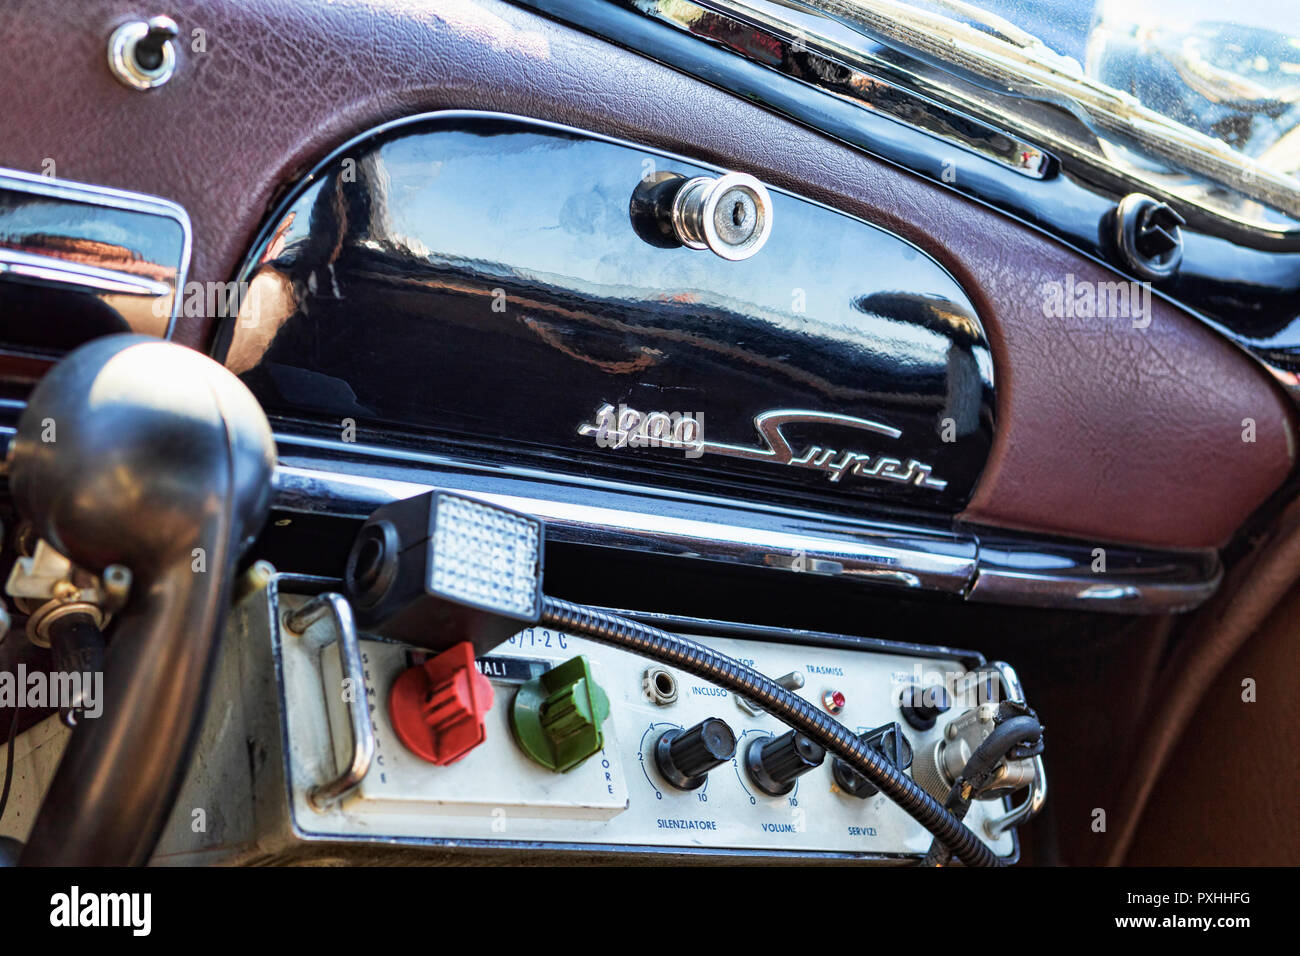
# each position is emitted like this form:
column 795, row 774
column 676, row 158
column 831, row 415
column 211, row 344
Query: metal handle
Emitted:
column 996, row 826
column 336, row 605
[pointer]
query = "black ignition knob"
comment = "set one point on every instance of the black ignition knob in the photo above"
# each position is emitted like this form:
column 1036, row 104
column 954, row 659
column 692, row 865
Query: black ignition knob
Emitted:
column 888, row 741
column 774, row 762
column 921, row 706
column 685, row 757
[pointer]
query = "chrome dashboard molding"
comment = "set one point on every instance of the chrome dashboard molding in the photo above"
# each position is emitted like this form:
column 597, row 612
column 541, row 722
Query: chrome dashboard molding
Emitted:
column 77, row 275
column 831, row 70
column 847, row 549
column 1061, row 574
column 966, row 563
column 97, row 195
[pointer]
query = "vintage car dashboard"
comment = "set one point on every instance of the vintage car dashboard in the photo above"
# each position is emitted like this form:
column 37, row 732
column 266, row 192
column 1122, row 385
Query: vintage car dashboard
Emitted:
column 841, row 372
column 463, row 265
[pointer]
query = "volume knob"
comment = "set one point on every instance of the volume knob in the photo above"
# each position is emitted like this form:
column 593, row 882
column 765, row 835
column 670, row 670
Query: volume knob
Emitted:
column 775, row 762
column 685, row 757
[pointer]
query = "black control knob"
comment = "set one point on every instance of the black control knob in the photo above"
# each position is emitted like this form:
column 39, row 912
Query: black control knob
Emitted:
column 1149, row 236
column 774, row 762
column 921, row 706
column 888, row 741
column 685, row 757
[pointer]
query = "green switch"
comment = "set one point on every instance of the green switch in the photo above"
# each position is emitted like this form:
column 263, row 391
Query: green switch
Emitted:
column 556, row 717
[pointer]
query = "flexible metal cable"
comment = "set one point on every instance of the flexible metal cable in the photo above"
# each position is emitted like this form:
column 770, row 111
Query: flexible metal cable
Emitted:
column 780, row 703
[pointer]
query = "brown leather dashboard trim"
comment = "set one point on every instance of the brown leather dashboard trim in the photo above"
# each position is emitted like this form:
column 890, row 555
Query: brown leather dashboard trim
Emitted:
column 1226, row 796
column 1106, row 432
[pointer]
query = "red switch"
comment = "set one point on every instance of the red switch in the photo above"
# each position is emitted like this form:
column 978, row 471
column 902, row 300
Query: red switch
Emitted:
column 437, row 707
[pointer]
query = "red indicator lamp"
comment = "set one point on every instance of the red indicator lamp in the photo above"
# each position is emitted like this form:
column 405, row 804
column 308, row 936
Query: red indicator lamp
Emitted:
column 833, row 701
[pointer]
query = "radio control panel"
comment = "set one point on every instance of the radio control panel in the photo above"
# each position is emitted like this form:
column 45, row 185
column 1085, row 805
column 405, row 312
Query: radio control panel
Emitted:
column 675, row 764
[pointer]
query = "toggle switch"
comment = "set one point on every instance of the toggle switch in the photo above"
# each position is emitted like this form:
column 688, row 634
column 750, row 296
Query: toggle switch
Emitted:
column 922, row 706
column 890, row 743
column 791, row 681
column 142, row 53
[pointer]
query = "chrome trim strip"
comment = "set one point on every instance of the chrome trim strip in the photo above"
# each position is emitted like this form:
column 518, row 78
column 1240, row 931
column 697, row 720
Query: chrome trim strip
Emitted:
column 76, row 275
column 847, row 549
column 832, row 69
column 989, row 570
column 96, row 195
column 1062, row 575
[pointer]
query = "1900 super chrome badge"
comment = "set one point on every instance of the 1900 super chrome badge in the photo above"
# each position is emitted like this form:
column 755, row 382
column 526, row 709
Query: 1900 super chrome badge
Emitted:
column 624, row 427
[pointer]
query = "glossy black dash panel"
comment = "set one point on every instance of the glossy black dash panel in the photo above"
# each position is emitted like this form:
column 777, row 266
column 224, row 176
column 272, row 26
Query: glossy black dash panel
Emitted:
column 485, row 286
